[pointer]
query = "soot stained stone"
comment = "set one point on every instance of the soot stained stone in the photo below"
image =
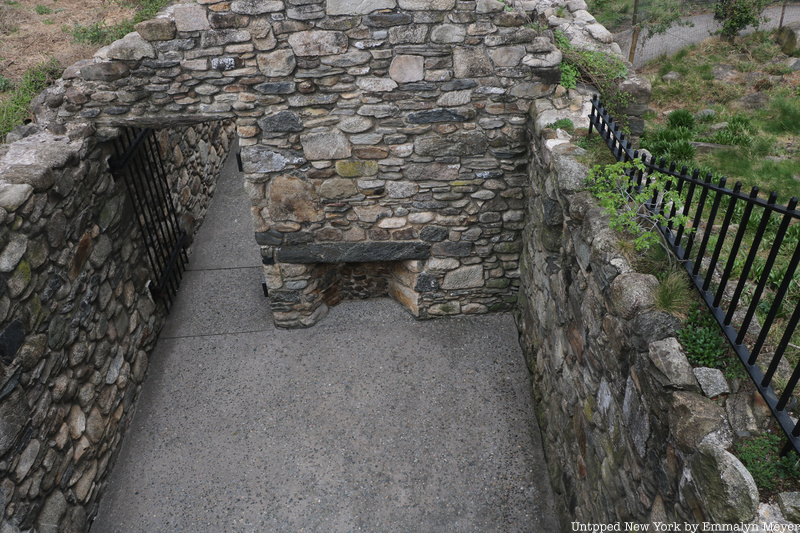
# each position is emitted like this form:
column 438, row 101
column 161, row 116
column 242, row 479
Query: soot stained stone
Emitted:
column 269, row 238
column 356, row 252
column 11, row 339
column 276, row 88
column 426, row 283
column 457, row 85
column 386, row 20
column 437, row 115
column 433, row 233
column 283, row 121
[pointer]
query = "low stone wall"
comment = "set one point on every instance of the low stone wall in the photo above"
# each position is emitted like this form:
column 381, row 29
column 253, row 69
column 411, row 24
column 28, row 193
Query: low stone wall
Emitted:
column 632, row 433
column 77, row 322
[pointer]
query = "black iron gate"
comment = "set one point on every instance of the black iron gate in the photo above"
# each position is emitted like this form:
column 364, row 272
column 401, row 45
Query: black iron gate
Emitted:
column 138, row 162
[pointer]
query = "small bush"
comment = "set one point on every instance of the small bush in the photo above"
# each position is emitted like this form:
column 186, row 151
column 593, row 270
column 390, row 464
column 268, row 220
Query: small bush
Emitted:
column 562, row 123
column 701, row 337
column 673, row 295
column 771, row 472
column 569, row 75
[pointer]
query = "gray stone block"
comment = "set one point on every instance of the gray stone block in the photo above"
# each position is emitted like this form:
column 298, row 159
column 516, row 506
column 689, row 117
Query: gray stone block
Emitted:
column 357, row 252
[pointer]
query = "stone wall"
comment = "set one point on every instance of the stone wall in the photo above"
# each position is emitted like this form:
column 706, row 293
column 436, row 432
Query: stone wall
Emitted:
column 391, row 131
column 77, row 322
column 632, row 433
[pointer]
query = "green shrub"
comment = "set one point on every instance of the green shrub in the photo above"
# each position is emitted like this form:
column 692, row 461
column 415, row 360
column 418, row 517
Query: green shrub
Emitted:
column 761, row 456
column 14, row 110
column 701, row 337
column 43, row 10
column 569, row 75
column 562, row 123
column 681, row 118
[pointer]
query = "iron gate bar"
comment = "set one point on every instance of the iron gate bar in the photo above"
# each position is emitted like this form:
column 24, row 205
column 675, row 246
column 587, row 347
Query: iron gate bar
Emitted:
column 139, row 164
column 600, row 120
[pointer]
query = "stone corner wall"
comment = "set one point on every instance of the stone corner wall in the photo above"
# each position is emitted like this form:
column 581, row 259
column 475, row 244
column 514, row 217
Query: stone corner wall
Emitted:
column 632, row 433
column 77, row 322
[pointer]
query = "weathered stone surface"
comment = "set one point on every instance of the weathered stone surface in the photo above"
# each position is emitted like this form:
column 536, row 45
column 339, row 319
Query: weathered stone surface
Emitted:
column 448, row 33
column 452, row 249
column 262, row 159
column 468, row 277
column 407, row 68
column 671, row 368
column 387, row 20
column 256, row 7
column 789, row 38
column 350, row 58
column 471, row 63
column 337, row 188
column 632, row 293
column 53, row 510
column 13, row 415
column 490, row 6
column 357, row 252
column 190, row 17
column 434, row 233
column 294, row 199
column 277, row 63
column 456, row 144
column 280, row 122
column 789, row 503
column 437, row 115
column 432, row 5
column 692, row 417
column 712, row 381
column 105, row 71
column 376, row 84
column 507, row 56
column 314, row 43
column 357, row 7
column 158, row 29
column 330, row 144
column 130, row 48
column 434, row 171
column 724, row 485
column 11, row 339
column 356, row 168
column 13, row 252
column 401, row 189
column 354, row 124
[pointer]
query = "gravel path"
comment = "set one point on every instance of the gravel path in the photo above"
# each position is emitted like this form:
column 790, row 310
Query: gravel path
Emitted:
column 369, row 421
column 682, row 36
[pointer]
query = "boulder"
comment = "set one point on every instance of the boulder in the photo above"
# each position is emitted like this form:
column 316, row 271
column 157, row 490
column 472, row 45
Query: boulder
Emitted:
column 789, row 38
column 724, row 485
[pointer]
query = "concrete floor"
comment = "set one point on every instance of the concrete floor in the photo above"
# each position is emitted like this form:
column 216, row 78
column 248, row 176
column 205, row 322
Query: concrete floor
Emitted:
column 369, row 421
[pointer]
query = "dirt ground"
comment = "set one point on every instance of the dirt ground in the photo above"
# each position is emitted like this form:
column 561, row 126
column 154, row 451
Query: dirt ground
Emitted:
column 33, row 31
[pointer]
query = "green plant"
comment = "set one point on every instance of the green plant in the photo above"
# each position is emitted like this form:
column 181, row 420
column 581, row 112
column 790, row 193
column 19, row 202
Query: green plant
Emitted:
column 701, row 337
column 569, row 75
column 631, row 208
column 771, row 472
column 736, row 15
column 43, row 10
column 5, row 84
column 674, row 295
column 681, row 118
column 14, row 110
column 562, row 123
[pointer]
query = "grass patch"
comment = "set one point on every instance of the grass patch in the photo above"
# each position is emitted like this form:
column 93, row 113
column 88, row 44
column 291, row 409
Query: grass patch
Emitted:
column 14, row 110
column 564, row 124
column 43, row 10
column 102, row 34
column 674, row 295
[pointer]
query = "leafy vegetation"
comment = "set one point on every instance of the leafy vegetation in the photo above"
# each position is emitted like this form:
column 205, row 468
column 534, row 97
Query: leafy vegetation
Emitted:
column 562, row 123
column 14, row 110
column 771, row 472
column 600, row 69
column 701, row 337
column 736, row 15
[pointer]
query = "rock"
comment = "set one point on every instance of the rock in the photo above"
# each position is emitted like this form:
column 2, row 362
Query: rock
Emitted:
column 76, row 422
column 471, row 63
column 130, row 48
column 692, row 417
column 489, row 6
column 26, row 459
column 376, row 84
column 448, row 33
column 293, row 199
column 712, row 381
column 401, row 189
column 740, row 414
column 436, row 171
column 671, row 76
column 13, row 252
column 599, row 32
column 407, row 68
column 789, row 502
column 427, row 5
column 262, row 159
column 386, row 20
column 724, row 485
column 356, row 168
column 351, row 252
column 468, row 277
column 13, row 415
column 105, row 71
column 13, row 196
column 455, row 144
column 315, row 43
column 337, row 188
column 102, row 249
column 158, row 29
column 354, row 124
column 280, row 122
column 433, row 233
column 277, row 63
column 11, row 339
column 190, row 17
column 95, row 426
column 635, row 413
column 357, row 7
column 351, row 58
column 793, row 63
column 751, row 101
column 632, row 292
column 789, row 38
column 256, row 7
column 507, row 56
column 330, row 144
column 724, row 73
column 452, row 249
column 671, row 368
column 50, row 516
column 438, row 115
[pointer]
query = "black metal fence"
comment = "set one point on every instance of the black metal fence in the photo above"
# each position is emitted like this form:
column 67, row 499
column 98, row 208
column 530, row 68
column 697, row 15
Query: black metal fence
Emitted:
column 138, row 162
column 735, row 277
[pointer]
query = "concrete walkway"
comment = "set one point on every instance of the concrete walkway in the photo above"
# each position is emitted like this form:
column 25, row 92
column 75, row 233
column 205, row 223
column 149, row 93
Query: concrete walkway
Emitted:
column 679, row 37
column 370, row 421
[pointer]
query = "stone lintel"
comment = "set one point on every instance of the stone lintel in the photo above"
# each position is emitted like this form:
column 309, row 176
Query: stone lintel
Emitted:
column 356, row 252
